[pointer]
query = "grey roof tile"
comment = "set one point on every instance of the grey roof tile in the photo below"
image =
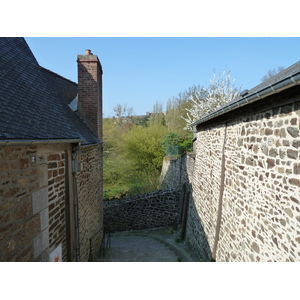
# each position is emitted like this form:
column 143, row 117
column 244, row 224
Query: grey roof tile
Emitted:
column 34, row 101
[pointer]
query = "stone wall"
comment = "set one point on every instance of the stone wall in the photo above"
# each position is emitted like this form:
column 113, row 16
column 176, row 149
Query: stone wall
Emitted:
column 90, row 201
column 155, row 209
column 246, row 184
column 36, row 202
column 16, row 219
column 180, row 171
column 176, row 172
column 56, row 202
column 32, row 190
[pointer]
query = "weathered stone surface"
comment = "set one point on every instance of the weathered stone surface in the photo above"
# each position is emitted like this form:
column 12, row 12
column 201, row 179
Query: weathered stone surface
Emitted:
column 292, row 154
column 41, row 242
column 255, row 247
column 289, row 212
column 39, row 200
column 249, row 161
column 268, row 131
column 296, row 143
column 155, row 209
column 273, row 152
column 293, row 131
column 294, row 181
column 296, row 168
column 270, row 162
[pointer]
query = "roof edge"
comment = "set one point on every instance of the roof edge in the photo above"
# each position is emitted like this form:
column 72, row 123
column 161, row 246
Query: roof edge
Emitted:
column 272, row 89
column 58, row 75
column 30, row 142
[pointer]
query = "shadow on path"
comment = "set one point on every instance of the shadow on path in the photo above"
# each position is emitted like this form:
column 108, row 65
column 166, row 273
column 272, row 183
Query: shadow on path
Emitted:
column 151, row 245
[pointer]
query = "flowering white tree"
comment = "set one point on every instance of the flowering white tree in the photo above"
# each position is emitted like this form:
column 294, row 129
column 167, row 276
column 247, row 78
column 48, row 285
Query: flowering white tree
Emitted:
column 207, row 100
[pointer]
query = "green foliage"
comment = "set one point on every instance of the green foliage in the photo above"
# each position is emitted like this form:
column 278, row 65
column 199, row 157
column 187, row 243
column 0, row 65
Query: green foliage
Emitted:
column 141, row 120
column 143, row 147
column 171, row 144
column 186, row 146
column 174, row 145
column 172, row 138
column 132, row 156
column 141, row 182
column 115, row 192
column 176, row 110
column 157, row 116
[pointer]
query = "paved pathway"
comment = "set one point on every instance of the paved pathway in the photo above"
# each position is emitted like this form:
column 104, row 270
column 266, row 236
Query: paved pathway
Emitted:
column 154, row 245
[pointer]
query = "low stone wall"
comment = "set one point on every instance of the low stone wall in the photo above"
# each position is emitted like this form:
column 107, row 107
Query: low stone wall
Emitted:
column 155, row 209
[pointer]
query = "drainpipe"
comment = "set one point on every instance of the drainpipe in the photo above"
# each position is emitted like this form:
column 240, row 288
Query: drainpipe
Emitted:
column 77, row 245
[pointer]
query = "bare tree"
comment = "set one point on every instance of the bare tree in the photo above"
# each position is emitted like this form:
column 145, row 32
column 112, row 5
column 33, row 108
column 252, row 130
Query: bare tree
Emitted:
column 122, row 112
column 272, row 73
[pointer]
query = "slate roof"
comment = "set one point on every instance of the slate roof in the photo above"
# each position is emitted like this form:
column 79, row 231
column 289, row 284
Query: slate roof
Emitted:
column 34, row 101
column 285, row 78
column 66, row 90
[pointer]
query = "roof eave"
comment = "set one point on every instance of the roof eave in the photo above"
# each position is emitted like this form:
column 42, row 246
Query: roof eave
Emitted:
column 29, row 142
column 277, row 87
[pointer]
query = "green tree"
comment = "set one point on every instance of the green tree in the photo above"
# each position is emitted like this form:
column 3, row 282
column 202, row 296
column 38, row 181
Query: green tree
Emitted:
column 171, row 144
column 174, row 145
column 157, row 115
column 143, row 147
column 115, row 166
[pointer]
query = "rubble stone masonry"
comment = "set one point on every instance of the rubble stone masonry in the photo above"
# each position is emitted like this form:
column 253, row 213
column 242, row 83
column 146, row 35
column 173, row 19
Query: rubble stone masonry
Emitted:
column 32, row 194
column 176, row 172
column 36, row 207
column 18, row 226
column 90, row 203
column 56, row 202
column 155, row 209
column 247, row 181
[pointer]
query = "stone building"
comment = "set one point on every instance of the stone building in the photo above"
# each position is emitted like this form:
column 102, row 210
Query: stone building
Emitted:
column 50, row 158
column 245, row 203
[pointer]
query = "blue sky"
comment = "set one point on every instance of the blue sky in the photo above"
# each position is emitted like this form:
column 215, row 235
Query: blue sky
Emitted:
column 140, row 71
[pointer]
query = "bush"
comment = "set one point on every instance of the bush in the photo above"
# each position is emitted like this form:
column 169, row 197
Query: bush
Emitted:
column 174, row 145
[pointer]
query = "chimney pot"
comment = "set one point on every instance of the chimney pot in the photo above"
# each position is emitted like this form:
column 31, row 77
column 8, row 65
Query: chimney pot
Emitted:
column 87, row 52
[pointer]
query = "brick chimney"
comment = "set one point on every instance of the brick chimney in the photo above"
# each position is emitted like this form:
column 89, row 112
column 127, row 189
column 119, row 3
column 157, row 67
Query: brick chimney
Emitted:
column 90, row 91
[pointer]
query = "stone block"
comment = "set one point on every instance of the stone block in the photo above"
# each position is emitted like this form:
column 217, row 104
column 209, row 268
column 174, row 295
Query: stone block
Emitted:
column 296, row 143
column 42, row 175
column 39, row 200
column 44, row 218
column 292, row 153
column 297, row 168
column 293, row 131
column 40, row 243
